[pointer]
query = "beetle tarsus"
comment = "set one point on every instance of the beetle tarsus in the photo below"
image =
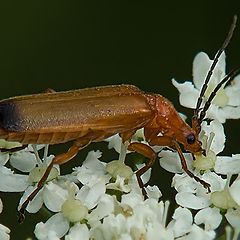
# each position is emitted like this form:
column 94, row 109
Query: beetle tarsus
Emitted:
column 15, row 149
column 204, row 184
column 21, row 215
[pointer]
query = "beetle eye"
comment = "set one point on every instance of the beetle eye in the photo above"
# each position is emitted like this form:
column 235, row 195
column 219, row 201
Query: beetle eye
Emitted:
column 191, row 139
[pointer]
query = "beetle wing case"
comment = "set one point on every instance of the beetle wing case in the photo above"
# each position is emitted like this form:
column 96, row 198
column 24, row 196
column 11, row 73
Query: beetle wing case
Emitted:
column 111, row 109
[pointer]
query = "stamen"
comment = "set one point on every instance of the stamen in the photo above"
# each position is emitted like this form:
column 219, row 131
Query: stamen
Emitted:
column 123, row 151
column 34, row 147
column 226, row 188
column 228, row 231
column 236, row 233
column 165, row 212
column 45, row 152
column 209, row 142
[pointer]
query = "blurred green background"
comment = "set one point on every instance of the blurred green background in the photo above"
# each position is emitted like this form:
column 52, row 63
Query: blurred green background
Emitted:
column 76, row 44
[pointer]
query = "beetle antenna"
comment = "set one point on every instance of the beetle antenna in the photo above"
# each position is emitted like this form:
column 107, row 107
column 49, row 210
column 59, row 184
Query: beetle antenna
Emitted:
column 196, row 122
column 225, row 80
column 215, row 61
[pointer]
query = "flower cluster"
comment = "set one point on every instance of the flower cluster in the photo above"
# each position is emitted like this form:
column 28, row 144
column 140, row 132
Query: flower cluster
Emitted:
column 100, row 200
column 222, row 172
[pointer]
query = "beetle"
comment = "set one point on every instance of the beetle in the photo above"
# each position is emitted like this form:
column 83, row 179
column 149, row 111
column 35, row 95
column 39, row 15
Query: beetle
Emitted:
column 93, row 114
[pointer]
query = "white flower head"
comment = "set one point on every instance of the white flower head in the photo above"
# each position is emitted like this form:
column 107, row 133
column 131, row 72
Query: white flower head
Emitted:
column 100, row 200
column 226, row 103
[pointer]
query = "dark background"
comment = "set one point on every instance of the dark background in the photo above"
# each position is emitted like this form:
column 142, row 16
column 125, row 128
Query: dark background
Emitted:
column 76, row 44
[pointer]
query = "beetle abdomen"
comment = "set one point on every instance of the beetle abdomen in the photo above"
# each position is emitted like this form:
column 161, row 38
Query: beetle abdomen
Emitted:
column 41, row 138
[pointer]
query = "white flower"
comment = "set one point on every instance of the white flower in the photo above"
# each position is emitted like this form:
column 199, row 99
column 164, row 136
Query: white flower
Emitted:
column 4, row 231
column 24, row 161
column 191, row 194
column 226, row 104
column 70, row 211
column 51, row 193
column 27, row 162
column 100, row 208
column 144, row 220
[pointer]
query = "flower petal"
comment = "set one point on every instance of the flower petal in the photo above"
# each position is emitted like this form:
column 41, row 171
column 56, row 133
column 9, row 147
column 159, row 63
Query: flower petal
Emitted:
column 210, row 217
column 227, row 165
column 183, row 183
column 189, row 200
column 114, row 142
column 4, row 232
column 182, row 221
column 4, row 157
column 201, row 65
column 1, row 205
column 104, row 208
column 92, row 170
column 188, row 94
column 56, row 226
column 8, row 145
column 153, row 192
column 231, row 112
column 233, row 92
column 216, row 181
column 171, row 162
column 54, row 196
column 233, row 217
column 23, row 161
column 198, row 233
column 219, row 139
column 78, row 231
column 90, row 196
column 35, row 204
column 11, row 182
column 234, row 191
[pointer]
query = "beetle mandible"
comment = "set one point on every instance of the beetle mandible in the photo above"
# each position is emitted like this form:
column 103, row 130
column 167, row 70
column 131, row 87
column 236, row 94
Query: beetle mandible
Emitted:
column 93, row 114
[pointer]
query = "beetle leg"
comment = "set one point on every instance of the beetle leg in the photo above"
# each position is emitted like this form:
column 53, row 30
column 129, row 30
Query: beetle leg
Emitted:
column 170, row 142
column 148, row 152
column 59, row 159
column 15, row 149
column 185, row 168
column 127, row 135
column 71, row 153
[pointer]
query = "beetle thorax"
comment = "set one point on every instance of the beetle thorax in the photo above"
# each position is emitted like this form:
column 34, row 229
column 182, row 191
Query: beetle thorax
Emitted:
column 172, row 125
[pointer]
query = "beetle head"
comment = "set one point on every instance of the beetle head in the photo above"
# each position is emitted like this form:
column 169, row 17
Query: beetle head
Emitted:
column 191, row 142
